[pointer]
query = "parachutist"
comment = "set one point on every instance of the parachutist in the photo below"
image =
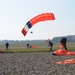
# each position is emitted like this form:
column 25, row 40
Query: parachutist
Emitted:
column 29, row 46
column 36, row 19
column 31, row 32
column 7, row 45
column 63, row 43
column 50, row 44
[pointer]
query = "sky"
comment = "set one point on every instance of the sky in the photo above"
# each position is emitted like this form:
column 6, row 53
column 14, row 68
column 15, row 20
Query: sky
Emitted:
column 14, row 14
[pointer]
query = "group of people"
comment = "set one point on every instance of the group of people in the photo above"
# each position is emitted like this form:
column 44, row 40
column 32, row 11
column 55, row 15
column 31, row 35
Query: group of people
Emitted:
column 62, row 44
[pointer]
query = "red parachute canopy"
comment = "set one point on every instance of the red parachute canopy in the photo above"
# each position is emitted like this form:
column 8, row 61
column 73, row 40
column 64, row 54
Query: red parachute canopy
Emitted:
column 42, row 17
column 36, row 19
column 69, row 61
column 61, row 52
column 33, row 47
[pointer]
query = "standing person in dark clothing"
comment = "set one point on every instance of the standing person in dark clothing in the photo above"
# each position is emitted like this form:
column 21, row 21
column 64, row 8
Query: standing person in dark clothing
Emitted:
column 50, row 44
column 7, row 45
column 63, row 43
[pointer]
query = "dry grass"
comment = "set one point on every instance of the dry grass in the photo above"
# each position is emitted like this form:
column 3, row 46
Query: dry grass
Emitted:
column 39, row 47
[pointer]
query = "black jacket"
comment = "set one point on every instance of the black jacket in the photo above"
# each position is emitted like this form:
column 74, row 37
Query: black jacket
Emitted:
column 50, row 43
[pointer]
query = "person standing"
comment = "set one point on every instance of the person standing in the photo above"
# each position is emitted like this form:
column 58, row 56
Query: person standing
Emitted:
column 63, row 43
column 50, row 44
column 7, row 45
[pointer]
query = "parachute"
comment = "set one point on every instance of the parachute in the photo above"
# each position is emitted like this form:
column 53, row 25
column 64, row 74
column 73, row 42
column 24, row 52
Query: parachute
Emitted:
column 69, row 61
column 61, row 52
column 33, row 46
column 36, row 19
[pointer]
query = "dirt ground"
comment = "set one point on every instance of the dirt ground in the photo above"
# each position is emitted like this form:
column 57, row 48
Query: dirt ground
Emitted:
column 36, row 63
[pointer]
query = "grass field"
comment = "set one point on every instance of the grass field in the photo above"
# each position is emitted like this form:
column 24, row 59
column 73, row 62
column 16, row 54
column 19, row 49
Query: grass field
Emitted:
column 39, row 47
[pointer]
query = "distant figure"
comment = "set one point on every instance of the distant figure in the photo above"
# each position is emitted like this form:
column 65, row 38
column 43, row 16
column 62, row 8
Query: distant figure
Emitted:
column 28, row 46
column 7, row 45
column 63, row 43
column 50, row 44
column 31, row 32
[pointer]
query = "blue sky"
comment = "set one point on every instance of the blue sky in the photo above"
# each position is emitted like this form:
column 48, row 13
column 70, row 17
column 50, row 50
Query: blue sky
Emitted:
column 14, row 14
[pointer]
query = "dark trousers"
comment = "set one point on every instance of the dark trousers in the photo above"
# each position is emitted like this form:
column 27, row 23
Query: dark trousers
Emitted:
column 51, row 49
column 7, row 47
